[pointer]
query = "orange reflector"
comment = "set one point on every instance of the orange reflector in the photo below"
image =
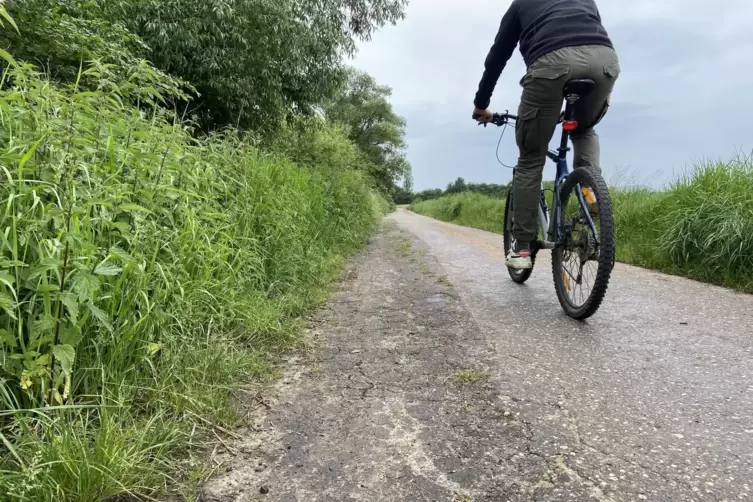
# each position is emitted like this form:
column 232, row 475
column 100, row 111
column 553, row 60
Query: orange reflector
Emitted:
column 570, row 125
column 588, row 194
column 567, row 281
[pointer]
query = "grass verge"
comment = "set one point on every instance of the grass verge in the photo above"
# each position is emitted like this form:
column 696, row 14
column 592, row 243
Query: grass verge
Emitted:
column 144, row 275
column 700, row 226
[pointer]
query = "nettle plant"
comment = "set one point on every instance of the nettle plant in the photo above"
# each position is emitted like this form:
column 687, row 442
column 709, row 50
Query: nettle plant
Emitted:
column 87, row 180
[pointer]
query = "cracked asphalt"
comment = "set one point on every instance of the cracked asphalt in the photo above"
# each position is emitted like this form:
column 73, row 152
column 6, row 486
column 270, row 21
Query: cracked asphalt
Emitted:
column 433, row 377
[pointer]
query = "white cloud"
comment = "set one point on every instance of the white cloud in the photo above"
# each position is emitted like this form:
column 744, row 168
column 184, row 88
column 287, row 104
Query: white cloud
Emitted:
column 683, row 93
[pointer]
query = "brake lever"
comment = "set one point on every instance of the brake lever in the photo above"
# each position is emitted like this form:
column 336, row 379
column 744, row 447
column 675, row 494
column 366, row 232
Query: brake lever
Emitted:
column 475, row 116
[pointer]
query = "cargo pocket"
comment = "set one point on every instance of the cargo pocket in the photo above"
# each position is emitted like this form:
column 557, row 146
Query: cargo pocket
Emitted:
column 527, row 128
column 550, row 72
column 544, row 71
column 612, row 70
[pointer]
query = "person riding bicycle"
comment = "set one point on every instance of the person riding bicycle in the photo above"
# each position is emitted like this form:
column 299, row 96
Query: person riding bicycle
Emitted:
column 560, row 40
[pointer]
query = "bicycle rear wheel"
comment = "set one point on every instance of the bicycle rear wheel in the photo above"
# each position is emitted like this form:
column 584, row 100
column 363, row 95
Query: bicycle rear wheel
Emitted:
column 517, row 275
column 583, row 263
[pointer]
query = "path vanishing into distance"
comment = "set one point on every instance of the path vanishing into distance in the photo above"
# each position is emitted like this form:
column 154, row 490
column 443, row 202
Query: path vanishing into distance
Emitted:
column 433, row 377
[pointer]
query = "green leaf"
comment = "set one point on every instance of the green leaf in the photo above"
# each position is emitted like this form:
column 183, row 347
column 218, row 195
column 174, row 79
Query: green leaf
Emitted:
column 122, row 255
column 8, row 338
column 6, row 56
column 107, row 269
column 10, row 448
column 8, row 305
column 111, row 148
column 65, row 355
column 29, row 153
column 71, row 304
column 101, row 316
column 70, row 335
column 86, row 286
column 45, row 322
column 7, row 279
column 45, row 265
column 7, row 17
column 134, row 207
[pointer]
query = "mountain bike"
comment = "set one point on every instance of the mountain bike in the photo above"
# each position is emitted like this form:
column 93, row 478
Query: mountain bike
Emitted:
column 580, row 228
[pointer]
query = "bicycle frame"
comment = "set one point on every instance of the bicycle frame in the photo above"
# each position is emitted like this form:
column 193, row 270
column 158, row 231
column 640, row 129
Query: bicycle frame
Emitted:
column 553, row 235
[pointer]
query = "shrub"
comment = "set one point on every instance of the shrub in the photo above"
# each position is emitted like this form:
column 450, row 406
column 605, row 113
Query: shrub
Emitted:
column 144, row 274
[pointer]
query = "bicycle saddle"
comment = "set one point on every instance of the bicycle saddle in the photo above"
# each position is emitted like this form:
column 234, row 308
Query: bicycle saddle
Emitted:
column 581, row 87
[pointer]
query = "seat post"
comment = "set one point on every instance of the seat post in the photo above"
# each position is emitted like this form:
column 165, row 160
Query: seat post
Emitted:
column 570, row 100
column 572, row 91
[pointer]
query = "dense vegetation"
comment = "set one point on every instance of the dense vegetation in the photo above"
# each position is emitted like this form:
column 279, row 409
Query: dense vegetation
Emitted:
column 157, row 245
column 701, row 226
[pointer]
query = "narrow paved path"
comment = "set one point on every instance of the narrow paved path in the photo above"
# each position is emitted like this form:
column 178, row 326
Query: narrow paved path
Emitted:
column 435, row 378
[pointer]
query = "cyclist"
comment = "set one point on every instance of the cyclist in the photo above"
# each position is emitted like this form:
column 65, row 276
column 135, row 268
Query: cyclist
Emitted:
column 560, row 40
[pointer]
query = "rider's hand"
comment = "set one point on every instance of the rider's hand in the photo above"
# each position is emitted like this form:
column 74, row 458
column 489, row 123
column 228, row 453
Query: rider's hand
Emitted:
column 483, row 115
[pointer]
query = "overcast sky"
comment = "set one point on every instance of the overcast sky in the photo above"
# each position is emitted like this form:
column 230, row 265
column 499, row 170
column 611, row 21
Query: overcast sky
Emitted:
column 685, row 92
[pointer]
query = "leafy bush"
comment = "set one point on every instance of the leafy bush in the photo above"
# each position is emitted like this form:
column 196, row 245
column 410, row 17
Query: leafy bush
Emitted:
column 144, row 273
column 60, row 37
column 251, row 61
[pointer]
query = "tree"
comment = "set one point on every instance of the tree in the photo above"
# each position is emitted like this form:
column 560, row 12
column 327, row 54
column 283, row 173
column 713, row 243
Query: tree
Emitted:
column 378, row 131
column 251, row 61
column 408, row 181
column 58, row 38
column 457, row 186
column 357, row 19
column 431, row 194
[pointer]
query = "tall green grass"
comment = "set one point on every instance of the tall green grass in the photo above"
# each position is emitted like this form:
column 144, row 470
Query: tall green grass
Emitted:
column 144, row 275
column 468, row 209
column 700, row 226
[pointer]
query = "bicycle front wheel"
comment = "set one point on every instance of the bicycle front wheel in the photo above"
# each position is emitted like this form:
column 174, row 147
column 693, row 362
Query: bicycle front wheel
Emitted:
column 582, row 263
column 517, row 275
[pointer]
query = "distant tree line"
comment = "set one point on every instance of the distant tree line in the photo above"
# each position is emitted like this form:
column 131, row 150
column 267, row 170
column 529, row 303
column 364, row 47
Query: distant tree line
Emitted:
column 406, row 196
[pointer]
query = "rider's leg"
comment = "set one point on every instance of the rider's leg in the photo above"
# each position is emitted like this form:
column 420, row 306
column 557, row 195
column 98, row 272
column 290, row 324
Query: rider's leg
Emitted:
column 586, row 150
column 603, row 69
column 538, row 114
column 539, row 111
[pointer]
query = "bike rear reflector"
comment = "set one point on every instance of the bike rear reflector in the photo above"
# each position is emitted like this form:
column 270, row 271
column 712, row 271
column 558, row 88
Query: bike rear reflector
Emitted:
column 570, row 125
column 588, row 194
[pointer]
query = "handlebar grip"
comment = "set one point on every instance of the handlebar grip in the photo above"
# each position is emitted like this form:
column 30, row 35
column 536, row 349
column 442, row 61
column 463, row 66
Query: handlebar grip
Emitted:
column 476, row 116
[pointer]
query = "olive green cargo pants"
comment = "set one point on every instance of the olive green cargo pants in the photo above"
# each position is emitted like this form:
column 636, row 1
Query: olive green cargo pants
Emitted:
column 539, row 112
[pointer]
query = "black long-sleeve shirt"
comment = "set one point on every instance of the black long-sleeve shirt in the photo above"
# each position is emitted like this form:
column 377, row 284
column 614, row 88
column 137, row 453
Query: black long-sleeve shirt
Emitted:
column 541, row 26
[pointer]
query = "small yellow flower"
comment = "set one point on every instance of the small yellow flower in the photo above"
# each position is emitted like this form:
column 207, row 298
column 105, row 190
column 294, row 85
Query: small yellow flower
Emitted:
column 26, row 382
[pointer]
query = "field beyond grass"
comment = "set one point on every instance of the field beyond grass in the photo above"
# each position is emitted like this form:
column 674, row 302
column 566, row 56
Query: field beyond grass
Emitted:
column 700, row 226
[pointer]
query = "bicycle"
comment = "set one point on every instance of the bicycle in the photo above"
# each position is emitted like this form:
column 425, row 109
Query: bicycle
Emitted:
column 588, row 236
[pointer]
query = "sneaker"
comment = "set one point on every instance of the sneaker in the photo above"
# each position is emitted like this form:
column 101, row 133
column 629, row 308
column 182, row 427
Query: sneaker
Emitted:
column 519, row 256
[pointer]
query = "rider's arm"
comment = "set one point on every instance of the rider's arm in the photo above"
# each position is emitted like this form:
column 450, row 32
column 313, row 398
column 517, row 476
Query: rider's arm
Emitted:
column 504, row 45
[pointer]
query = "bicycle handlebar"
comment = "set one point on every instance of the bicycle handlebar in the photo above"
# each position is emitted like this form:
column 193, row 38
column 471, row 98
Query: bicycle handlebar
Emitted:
column 498, row 119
